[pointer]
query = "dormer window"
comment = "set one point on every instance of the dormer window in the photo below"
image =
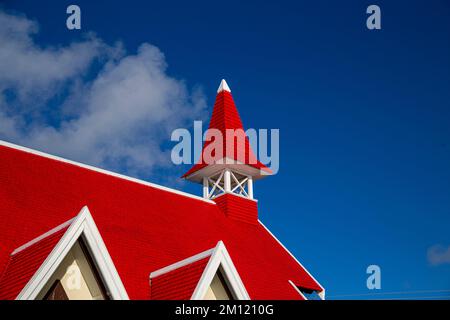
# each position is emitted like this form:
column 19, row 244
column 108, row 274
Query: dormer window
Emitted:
column 218, row 289
column 76, row 278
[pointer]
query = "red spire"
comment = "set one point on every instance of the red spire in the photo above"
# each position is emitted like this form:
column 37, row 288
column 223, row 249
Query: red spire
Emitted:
column 226, row 116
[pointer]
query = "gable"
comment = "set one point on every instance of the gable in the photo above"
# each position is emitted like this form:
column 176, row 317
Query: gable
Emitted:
column 209, row 275
column 178, row 284
column 50, row 260
column 220, row 265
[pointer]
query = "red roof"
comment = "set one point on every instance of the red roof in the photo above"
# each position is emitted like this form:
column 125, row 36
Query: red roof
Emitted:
column 226, row 116
column 26, row 260
column 144, row 227
column 178, row 284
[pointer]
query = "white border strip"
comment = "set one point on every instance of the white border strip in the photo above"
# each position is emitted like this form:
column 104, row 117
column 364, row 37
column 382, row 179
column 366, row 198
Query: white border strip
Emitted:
column 82, row 225
column 298, row 290
column 220, row 258
column 103, row 171
column 181, row 263
column 42, row 236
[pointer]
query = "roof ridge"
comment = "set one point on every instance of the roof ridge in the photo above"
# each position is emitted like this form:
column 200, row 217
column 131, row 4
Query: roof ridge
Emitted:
column 102, row 171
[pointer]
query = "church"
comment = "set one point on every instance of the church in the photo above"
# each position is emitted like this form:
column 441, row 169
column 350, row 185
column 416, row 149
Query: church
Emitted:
column 70, row 231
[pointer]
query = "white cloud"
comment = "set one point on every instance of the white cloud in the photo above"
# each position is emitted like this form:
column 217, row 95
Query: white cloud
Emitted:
column 118, row 119
column 438, row 254
column 35, row 72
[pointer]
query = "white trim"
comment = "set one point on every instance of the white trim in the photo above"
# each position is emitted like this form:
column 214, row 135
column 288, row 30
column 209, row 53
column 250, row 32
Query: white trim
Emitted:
column 205, row 188
column 241, row 185
column 220, row 258
column 298, row 290
column 215, row 184
column 103, row 171
column 224, row 163
column 223, row 86
column 212, row 188
column 181, row 263
column 42, row 236
column 227, row 180
column 82, row 225
column 321, row 293
column 250, row 187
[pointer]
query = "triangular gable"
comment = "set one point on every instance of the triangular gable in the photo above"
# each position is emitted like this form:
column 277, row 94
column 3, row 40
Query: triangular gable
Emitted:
column 221, row 259
column 192, row 277
column 178, row 281
column 81, row 227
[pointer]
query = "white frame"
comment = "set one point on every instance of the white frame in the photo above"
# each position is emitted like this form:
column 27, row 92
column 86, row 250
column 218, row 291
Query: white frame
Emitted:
column 82, row 226
column 220, row 258
column 212, row 188
column 182, row 263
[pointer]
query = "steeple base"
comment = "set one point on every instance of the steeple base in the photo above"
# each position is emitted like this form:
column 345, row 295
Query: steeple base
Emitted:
column 238, row 207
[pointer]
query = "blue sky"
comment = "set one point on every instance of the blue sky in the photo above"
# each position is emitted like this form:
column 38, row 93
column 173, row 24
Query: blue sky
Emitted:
column 364, row 116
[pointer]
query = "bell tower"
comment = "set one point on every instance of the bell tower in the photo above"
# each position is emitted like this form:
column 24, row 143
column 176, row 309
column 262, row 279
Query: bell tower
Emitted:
column 228, row 167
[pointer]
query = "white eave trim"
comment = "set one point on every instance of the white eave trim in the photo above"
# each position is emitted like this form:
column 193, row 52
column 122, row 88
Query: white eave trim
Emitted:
column 321, row 293
column 220, row 258
column 42, row 236
column 82, row 225
column 297, row 289
column 244, row 169
column 181, row 263
column 103, row 171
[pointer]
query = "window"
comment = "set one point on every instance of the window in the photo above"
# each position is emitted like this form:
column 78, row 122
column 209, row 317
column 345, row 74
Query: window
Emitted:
column 76, row 278
column 56, row 292
column 218, row 289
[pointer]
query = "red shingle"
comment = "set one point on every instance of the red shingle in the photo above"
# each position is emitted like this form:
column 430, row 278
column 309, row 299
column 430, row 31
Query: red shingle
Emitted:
column 144, row 228
column 238, row 208
column 178, row 284
column 225, row 116
column 22, row 265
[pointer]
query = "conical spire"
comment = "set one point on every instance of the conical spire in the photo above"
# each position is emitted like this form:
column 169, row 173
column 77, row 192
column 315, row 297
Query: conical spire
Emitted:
column 225, row 116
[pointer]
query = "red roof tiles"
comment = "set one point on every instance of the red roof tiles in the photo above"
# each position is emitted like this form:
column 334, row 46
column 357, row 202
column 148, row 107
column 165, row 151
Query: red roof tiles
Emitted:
column 144, row 228
column 180, row 283
column 226, row 116
column 25, row 261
